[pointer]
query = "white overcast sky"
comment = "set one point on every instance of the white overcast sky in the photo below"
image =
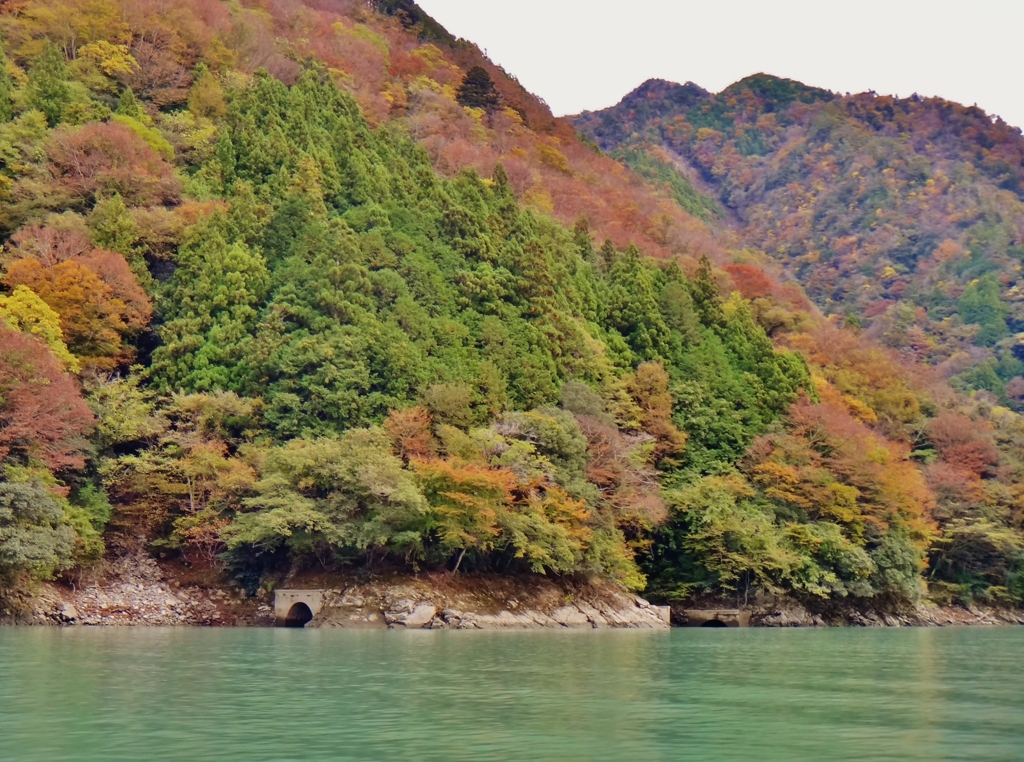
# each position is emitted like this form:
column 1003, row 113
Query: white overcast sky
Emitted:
column 587, row 54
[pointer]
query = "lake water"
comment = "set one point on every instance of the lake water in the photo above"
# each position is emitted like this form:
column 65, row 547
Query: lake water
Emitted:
column 263, row 694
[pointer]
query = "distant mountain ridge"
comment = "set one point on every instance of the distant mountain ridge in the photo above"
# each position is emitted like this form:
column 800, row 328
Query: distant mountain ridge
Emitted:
column 902, row 214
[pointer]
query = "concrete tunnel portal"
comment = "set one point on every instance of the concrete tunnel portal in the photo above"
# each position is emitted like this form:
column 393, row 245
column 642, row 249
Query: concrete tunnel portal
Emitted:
column 297, row 608
column 299, row 615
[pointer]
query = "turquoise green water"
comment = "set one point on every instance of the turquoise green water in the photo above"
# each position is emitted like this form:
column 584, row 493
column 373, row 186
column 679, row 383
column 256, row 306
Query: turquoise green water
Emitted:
column 253, row 694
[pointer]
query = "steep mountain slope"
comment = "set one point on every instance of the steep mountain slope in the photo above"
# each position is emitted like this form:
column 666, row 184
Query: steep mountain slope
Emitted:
column 904, row 215
column 310, row 266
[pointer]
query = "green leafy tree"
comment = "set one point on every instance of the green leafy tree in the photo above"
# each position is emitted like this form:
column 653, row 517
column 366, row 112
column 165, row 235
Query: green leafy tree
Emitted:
column 718, row 538
column 980, row 304
column 343, row 495
column 126, row 413
column 48, row 89
column 35, row 536
column 206, row 98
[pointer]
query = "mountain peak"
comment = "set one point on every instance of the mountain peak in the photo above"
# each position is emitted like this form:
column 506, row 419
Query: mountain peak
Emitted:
column 777, row 92
column 654, row 99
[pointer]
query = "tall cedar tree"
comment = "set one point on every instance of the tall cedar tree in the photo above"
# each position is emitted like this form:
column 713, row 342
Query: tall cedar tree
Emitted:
column 6, row 88
column 48, row 84
column 477, row 90
column 128, row 105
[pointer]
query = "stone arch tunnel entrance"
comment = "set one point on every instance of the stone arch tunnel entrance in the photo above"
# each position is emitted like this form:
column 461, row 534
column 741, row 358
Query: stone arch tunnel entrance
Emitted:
column 714, row 623
column 299, row 615
column 297, row 608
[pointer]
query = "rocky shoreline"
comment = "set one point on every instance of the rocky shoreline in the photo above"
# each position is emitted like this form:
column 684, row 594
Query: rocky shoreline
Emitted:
column 136, row 590
column 414, row 606
column 924, row 614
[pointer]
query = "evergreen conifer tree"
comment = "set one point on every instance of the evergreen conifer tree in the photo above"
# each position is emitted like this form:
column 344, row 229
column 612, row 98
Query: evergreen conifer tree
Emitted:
column 6, row 88
column 211, row 308
column 48, row 89
column 607, row 256
column 504, row 198
column 704, row 292
column 477, row 90
column 128, row 105
column 677, row 306
column 632, row 305
column 581, row 237
column 111, row 226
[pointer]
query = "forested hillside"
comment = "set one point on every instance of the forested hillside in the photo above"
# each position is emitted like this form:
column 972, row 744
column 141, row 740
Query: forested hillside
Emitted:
column 293, row 284
column 905, row 216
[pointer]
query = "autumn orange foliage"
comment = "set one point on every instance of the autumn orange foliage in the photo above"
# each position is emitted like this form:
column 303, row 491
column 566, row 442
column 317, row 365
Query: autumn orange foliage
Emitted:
column 837, row 469
column 649, row 388
column 410, row 432
column 98, row 300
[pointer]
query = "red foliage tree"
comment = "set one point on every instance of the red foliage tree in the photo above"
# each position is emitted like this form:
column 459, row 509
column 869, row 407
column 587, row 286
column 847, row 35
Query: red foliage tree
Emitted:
column 963, row 444
column 42, row 414
column 750, row 280
column 631, row 490
column 162, row 76
column 106, row 158
column 50, row 244
column 836, row 468
column 134, row 304
column 956, row 491
column 406, row 66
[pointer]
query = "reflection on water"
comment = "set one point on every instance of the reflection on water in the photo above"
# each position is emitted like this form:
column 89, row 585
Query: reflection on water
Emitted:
column 193, row 694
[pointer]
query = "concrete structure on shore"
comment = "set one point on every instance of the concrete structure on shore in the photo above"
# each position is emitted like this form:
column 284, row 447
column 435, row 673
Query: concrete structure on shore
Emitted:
column 296, row 608
column 716, row 618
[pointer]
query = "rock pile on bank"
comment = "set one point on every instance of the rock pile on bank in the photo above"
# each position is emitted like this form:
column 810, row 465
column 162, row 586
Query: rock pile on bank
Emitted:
column 132, row 590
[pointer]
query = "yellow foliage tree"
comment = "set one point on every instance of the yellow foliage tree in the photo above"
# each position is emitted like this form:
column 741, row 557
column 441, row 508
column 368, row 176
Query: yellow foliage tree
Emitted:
column 110, row 58
column 552, row 157
column 24, row 311
column 72, row 24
